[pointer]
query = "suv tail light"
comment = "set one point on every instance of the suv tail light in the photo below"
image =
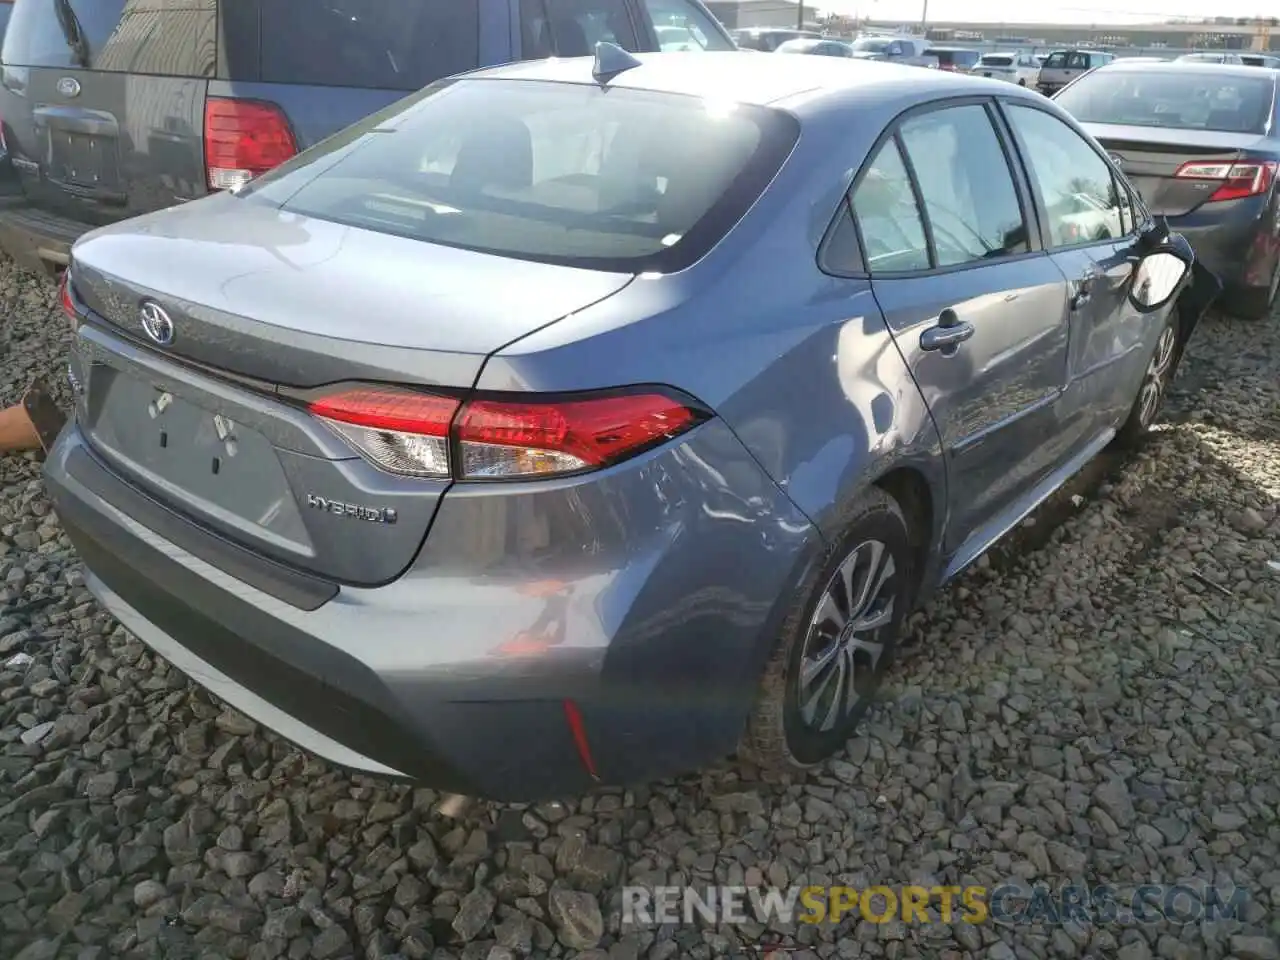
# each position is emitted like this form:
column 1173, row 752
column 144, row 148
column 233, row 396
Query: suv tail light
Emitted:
column 1249, row 179
column 429, row 435
column 243, row 138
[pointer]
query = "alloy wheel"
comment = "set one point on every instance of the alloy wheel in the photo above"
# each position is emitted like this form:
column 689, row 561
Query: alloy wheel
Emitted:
column 844, row 644
column 1156, row 377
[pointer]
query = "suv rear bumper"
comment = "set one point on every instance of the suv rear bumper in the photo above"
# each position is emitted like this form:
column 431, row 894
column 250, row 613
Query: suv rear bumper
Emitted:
column 39, row 241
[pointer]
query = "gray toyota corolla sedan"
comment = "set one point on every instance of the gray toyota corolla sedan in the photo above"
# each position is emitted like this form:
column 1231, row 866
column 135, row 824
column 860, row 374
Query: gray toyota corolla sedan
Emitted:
column 584, row 421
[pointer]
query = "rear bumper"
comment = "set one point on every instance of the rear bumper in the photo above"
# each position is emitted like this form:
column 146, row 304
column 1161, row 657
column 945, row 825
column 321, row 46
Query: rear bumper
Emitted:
column 1238, row 244
column 457, row 675
column 38, row 241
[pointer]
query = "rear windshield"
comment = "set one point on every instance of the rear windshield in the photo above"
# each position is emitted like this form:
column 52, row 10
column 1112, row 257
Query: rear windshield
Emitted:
column 609, row 179
column 1171, row 98
column 872, row 46
column 385, row 44
column 127, row 36
column 996, row 60
column 953, row 56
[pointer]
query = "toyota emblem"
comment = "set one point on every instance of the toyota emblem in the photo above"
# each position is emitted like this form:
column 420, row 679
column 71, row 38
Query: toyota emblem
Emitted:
column 69, row 87
column 156, row 323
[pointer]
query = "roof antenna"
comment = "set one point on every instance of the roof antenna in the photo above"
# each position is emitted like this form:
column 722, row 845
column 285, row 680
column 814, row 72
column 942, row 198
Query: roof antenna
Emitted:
column 611, row 60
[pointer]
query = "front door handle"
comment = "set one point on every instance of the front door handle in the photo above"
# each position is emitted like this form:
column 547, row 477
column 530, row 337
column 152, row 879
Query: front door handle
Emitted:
column 949, row 333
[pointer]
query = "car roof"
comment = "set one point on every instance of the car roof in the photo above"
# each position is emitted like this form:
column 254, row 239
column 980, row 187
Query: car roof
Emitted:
column 733, row 77
column 1183, row 66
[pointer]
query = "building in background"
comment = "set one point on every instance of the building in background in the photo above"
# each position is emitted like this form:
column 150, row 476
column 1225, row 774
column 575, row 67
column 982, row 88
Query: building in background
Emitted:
column 1221, row 33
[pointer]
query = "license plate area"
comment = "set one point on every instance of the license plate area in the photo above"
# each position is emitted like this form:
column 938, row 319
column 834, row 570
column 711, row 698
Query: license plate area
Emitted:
column 84, row 159
column 202, row 463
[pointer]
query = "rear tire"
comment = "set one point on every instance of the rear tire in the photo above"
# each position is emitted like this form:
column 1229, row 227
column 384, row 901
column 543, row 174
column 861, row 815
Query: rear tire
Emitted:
column 1254, row 304
column 837, row 641
column 1155, row 385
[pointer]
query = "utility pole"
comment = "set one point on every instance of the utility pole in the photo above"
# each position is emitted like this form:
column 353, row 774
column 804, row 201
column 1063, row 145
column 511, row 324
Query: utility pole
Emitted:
column 924, row 16
column 800, row 15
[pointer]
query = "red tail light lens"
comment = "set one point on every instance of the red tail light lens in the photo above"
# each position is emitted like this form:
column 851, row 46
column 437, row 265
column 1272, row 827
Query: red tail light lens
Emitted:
column 1238, row 180
column 419, row 434
column 401, row 431
column 501, row 439
column 65, row 298
column 243, row 138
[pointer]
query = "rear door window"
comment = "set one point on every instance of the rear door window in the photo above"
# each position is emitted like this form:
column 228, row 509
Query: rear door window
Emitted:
column 384, row 44
column 888, row 215
column 158, row 37
column 964, row 180
column 572, row 28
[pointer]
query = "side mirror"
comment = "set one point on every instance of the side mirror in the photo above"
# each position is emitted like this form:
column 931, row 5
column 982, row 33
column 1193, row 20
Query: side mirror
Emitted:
column 1158, row 277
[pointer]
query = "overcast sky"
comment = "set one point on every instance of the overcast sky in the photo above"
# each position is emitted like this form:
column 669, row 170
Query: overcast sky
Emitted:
column 1064, row 11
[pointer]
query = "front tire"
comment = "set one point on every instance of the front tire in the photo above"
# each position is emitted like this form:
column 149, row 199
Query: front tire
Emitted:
column 1155, row 384
column 837, row 642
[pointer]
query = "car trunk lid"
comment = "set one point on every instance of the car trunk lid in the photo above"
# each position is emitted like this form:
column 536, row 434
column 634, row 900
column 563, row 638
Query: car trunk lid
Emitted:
column 1151, row 156
column 276, row 309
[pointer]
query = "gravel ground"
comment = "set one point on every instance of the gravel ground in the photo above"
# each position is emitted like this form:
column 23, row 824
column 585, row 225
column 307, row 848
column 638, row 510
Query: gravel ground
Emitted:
column 1100, row 700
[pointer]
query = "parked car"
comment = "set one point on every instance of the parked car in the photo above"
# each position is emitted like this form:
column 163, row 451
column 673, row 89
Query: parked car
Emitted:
column 113, row 108
column 1063, row 66
column 1019, row 68
column 768, row 40
column 819, row 48
column 1231, row 58
column 954, row 59
column 1260, row 60
column 460, row 449
column 1200, row 143
column 906, row 50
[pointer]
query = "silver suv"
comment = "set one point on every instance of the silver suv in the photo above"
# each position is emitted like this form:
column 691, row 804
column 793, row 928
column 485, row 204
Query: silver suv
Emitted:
column 1063, row 66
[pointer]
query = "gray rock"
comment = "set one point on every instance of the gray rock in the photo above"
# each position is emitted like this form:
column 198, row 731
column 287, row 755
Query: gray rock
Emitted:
column 474, row 912
column 1255, row 948
column 577, row 918
column 330, row 943
column 148, row 892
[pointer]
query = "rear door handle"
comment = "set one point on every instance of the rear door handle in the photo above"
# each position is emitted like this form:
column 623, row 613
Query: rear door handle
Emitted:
column 949, row 333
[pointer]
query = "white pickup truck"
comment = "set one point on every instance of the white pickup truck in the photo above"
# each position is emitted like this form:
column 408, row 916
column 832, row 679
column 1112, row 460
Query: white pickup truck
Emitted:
column 909, row 50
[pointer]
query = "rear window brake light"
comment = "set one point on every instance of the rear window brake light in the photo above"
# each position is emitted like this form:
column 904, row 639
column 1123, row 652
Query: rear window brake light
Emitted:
column 1236, row 180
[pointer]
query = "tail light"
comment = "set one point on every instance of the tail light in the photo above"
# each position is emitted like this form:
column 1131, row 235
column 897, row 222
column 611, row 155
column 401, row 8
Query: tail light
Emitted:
column 66, row 299
column 242, row 139
column 429, row 435
column 1250, row 179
